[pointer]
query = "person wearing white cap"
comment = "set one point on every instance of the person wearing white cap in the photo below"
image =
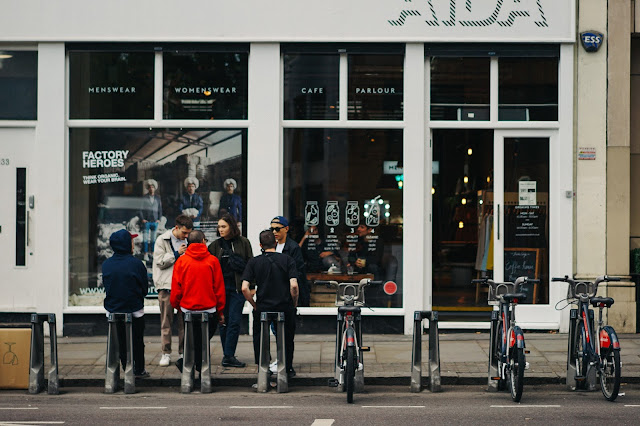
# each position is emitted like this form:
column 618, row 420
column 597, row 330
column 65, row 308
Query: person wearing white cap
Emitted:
column 150, row 215
column 191, row 203
column 230, row 202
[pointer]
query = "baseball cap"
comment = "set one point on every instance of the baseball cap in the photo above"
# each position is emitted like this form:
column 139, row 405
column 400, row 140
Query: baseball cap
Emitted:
column 133, row 235
column 281, row 220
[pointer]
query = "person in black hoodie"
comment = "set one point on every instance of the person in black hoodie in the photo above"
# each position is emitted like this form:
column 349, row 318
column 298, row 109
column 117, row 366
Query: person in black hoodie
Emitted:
column 125, row 283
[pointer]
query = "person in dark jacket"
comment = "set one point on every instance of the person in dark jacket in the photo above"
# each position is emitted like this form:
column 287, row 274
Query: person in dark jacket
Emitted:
column 125, row 283
column 280, row 228
column 233, row 251
column 230, row 202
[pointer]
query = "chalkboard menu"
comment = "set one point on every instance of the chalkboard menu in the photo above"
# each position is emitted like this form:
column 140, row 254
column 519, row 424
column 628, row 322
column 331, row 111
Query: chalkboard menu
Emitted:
column 522, row 262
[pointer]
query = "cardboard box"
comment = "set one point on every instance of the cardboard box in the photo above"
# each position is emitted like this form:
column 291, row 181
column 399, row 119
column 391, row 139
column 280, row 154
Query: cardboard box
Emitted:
column 15, row 352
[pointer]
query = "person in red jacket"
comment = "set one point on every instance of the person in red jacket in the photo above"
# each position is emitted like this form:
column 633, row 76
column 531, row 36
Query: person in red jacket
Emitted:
column 197, row 285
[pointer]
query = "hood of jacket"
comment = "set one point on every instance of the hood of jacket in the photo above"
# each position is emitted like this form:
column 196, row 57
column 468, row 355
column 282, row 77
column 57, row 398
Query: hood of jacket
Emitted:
column 197, row 251
column 121, row 242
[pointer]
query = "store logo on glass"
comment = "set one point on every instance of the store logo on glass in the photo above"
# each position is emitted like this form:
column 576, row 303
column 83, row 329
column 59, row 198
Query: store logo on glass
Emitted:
column 591, row 40
column 472, row 13
column 112, row 89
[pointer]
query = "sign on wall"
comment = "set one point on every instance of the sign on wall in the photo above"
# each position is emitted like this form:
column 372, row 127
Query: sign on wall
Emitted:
column 294, row 20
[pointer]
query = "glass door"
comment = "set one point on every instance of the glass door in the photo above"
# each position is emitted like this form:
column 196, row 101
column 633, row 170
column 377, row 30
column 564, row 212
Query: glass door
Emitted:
column 490, row 216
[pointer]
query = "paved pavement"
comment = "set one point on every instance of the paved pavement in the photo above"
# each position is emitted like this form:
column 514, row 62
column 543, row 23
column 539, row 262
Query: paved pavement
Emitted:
column 463, row 359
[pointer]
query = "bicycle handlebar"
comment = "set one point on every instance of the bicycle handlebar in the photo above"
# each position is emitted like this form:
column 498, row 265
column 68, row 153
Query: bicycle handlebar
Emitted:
column 576, row 284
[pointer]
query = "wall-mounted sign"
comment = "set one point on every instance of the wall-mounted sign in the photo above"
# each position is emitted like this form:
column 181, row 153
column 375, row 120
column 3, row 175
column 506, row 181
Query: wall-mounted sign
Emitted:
column 392, row 168
column 591, row 40
column 586, row 153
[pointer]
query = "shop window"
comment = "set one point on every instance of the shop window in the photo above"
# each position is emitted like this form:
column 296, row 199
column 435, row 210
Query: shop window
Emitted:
column 18, row 85
column 134, row 179
column 111, row 85
column 311, row 86
column 205, row 85
column 460, row 89
column 375, row 87
column 528, row 89
column 344, row 201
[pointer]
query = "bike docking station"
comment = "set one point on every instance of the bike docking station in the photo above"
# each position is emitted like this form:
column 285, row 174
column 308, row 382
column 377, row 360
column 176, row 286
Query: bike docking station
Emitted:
column 112, row 378
column 434, row 352
column 188, row 373
column 265, row 349
column 36, row 364
column 493, row 381
column 574, row 380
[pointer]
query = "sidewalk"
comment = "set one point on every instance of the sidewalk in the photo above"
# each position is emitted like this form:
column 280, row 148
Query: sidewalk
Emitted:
column 463, row 360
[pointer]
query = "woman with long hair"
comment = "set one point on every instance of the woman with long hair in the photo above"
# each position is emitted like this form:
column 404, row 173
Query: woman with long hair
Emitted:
column 233, row 251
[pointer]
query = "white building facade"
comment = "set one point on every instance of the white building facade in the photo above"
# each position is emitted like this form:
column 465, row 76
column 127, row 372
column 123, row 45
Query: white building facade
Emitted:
column 445, row 130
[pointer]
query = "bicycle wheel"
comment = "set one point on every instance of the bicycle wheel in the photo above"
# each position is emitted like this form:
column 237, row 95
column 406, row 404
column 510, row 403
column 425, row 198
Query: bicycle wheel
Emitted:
column 350, row 372
column 610, row 375
column 502, row 383
column 516, row 373
column 580, row 355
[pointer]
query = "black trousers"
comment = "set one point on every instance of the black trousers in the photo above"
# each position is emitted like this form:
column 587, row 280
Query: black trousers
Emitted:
column 197, row 338
column 289, row 330
column 137, row 328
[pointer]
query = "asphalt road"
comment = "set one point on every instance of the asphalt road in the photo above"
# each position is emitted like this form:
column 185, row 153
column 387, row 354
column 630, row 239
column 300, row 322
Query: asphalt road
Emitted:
column 388, row 405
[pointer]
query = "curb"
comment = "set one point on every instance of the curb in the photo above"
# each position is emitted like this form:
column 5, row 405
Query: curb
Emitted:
column 321, row 381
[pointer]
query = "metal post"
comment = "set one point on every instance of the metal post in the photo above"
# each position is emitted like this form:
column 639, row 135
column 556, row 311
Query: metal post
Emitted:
column 112, row 373
column 129, row 378
column 337, row 368
column 434, row 354
column 36, row 367
column 263, row 366
column 283, row 379
column 186, row 383
column 53, row 385
column 493, row 361
column 416, row 353
column 571, row 361
column 591, row 378
column 205, row 367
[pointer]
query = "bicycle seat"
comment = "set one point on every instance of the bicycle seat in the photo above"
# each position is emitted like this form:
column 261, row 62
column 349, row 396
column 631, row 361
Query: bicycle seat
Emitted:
column 345, row 309
column 509, row 297
column 596, row 301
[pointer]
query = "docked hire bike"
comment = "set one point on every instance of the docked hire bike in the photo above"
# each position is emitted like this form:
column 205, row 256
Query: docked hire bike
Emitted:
column 591, row 351
column 507, row 348
column 349, row 349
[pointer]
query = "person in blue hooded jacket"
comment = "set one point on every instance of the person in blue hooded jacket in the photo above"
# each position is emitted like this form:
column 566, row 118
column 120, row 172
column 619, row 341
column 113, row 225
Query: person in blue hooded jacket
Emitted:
column 125, row 283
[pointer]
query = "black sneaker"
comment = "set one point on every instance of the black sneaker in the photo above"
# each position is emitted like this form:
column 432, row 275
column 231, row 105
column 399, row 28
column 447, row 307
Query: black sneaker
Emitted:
column 142, row 375
column 179, row 363
column 291, row 373
column 232, row 361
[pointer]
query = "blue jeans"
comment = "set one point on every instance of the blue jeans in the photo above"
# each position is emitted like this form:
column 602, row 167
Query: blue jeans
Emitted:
column 233, row 315
column 149, row 235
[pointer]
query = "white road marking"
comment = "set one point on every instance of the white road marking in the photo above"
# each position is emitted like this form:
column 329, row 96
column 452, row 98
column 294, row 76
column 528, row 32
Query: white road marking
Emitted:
column 525, row 406
column 631, row 405
column 323, row 422
column 27, row 422
column 393, row 406
column 261, row 406
column 18, row 408
column 133, row 408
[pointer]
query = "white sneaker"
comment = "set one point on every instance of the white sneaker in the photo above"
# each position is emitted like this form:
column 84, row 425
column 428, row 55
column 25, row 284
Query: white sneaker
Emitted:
column 274, row 367
column 165, row 360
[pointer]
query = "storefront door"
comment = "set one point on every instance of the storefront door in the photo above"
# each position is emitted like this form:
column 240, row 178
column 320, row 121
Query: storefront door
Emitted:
column 491, row 209
column 16, row 213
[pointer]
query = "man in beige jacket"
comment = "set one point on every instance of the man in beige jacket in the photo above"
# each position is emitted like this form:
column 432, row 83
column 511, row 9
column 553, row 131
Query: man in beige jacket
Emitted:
column 168, row 248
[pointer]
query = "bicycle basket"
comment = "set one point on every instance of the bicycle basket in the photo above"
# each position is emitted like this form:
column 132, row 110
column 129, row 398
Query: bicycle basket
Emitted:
column 349, row 289
column 580, row 287
column 498, row 289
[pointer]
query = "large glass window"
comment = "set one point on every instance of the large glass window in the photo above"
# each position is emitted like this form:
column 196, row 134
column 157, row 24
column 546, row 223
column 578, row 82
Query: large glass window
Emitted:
column 135, row 179
column 311, row 86
column 343, row 197
column 528, row 89
column 375, row 87
column 460, row 88
column 205, row 85
column 111, row 85
column 18, row 85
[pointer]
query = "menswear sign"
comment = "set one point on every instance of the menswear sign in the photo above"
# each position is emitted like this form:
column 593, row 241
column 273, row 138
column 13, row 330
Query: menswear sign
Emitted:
column 290, row 20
